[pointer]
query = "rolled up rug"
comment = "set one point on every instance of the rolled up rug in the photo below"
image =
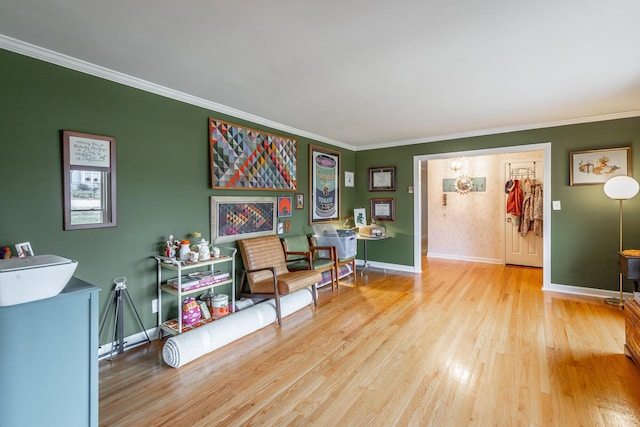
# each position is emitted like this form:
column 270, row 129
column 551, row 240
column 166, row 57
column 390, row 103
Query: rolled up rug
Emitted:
column 188, row 346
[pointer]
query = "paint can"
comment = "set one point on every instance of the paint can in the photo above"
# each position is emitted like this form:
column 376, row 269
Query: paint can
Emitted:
column 325, row 187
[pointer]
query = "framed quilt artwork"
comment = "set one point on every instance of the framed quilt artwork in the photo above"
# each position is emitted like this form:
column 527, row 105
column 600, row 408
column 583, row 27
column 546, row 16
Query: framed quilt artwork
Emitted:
column 324, row 186
column 235, row 218
column 245, row 158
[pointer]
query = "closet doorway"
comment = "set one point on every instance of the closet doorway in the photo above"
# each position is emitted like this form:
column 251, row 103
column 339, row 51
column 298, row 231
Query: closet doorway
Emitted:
column 514, row 153
column 522, row 248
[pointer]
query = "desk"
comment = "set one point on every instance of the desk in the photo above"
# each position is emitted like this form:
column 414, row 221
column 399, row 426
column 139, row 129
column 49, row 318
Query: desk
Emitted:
column 365, row 239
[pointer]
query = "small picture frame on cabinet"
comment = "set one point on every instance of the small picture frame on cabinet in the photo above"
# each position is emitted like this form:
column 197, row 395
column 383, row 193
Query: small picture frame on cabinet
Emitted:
column 24, row 249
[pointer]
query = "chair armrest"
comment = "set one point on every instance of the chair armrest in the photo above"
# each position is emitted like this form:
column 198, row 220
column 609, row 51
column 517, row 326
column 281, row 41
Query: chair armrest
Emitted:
column 255, row 270
column 305, row 256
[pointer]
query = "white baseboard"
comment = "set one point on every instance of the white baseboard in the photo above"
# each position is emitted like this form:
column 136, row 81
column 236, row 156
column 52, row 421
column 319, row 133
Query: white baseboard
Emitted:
column 387, row 266
column 131, row 341
column 587, row 292
column 464, row 258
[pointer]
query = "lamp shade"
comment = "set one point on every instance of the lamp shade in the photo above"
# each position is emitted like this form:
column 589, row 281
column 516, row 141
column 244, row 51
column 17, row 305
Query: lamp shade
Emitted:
column 621, row 187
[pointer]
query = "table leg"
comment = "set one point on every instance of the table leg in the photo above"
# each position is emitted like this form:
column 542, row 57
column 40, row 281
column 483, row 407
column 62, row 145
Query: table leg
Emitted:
column 366, row 262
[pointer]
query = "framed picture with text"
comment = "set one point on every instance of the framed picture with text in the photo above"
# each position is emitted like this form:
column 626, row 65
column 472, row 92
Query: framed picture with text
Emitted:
column 383, row 210
column 382, row 178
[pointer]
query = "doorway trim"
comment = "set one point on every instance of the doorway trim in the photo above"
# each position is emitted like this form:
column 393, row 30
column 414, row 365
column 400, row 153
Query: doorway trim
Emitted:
column 545, row 147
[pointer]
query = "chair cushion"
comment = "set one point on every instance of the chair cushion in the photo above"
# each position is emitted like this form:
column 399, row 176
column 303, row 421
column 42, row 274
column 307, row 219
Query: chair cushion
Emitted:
column 266, row 252
column 287, row 282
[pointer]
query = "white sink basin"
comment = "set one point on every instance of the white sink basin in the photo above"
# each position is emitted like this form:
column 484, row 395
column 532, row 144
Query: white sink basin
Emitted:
column 33, row 278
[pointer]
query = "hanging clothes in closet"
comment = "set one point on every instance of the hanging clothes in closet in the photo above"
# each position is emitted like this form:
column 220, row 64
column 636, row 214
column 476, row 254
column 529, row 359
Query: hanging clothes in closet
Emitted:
column 531, row 218
column 524, row 200
column 514, row 199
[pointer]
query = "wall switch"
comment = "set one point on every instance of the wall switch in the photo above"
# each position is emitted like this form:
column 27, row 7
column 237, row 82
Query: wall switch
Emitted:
column 556, row 205
column 154, row 306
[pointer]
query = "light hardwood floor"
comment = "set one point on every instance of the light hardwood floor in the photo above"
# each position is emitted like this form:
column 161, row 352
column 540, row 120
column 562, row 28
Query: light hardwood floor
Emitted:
column 461, row 344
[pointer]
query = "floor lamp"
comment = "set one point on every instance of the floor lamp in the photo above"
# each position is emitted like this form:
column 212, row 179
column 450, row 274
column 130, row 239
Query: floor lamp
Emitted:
column 620, row 188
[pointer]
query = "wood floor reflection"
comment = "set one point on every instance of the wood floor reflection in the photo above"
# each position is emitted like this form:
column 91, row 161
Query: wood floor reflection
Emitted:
column 460, row 344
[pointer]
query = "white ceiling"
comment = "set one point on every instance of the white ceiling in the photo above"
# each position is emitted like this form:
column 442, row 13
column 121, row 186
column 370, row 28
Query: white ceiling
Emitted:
column 360, row 73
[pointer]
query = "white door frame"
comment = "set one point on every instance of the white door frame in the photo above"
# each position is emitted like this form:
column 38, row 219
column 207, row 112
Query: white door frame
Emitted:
column 546, row 224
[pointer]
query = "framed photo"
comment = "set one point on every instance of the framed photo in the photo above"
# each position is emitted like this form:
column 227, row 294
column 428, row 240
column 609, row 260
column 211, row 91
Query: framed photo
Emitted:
column 324, row 185
column 382, row 178
column 597, row 166
column 284, row 207
column 348, row 179
column 383, row 210
column 24, row 249
column 248, row 159
column 299, row 201
column 360, row 217
column 235, row 218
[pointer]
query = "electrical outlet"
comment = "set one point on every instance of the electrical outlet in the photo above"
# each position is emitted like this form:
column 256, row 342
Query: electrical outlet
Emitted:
column 154, row 306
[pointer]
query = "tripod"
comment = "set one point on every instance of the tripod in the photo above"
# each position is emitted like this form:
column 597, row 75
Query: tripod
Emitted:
column 119, row 296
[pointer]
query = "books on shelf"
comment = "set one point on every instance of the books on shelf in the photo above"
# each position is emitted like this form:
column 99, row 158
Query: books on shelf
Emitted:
column 198, row 280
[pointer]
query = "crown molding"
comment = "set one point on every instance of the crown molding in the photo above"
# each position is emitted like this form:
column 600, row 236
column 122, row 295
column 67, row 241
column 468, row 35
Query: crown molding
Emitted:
column 37, row 52
column 499, row 130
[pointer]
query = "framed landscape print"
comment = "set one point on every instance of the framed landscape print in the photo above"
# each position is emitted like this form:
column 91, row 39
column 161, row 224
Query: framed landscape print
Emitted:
column 324, row 185
column 597, row 166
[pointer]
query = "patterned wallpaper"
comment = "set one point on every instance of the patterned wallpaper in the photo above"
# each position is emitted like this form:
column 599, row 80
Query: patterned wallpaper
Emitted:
column 471, row 225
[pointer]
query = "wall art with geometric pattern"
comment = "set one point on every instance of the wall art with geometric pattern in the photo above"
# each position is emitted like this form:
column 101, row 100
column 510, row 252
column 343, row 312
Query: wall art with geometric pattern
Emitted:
column 244, row 158
column 234, row 218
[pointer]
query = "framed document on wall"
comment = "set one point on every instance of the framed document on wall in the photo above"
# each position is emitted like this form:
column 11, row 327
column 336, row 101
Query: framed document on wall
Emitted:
column 382, row 178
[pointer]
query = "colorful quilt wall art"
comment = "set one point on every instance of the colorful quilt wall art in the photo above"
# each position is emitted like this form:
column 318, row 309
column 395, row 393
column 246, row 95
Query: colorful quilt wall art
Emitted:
column 244, row 158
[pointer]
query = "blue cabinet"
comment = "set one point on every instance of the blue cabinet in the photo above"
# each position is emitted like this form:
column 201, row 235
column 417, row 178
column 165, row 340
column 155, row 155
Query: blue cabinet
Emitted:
column 49, row 359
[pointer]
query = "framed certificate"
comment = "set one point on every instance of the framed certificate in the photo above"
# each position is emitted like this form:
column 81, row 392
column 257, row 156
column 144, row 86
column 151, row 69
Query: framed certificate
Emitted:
column 382, row 178
column 383, row 210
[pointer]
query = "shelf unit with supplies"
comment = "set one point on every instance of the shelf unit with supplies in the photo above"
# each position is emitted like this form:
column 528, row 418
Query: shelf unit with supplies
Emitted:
column 173, row 286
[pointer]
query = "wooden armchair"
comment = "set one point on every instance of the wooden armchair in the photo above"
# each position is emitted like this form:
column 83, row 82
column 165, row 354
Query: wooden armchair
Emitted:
column 266, row 273
column 340, row 262
column 301, row 255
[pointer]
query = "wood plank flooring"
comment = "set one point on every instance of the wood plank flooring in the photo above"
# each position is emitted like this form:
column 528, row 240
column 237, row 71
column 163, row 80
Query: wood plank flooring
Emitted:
column 462, row 344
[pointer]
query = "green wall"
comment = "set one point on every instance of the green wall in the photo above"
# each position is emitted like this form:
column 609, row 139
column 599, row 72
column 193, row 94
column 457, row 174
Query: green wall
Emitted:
column 584, row 234
column 164, row 184
column 163, row 172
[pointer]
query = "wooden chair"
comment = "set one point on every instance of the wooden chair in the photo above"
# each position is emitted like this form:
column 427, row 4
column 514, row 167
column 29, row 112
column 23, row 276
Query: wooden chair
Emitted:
column 266, row 273
column 340, row 262
column 301, row 255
